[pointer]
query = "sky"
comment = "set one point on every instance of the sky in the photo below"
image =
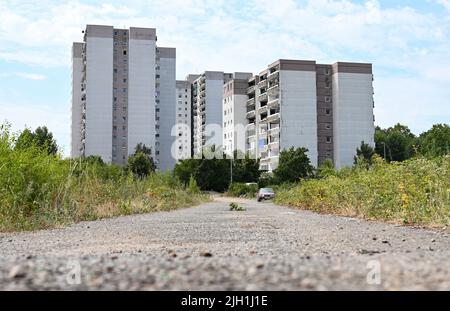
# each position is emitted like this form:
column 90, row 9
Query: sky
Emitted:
column 408, row 43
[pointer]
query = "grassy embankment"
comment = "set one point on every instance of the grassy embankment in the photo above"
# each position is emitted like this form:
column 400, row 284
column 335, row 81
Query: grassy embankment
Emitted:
column 40, row 191
column 414, row 192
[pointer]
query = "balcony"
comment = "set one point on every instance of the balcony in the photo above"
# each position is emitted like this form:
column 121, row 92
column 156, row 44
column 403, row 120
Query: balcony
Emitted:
column 275, row 103
column 273, row 117
column 250, row 127
column 251, row 114
column 262, row 84
column 274, row 131
column 262, row 97
column 273, row 90
column 251, row 89
column 262, row 109
column 251, row 101
column 274, row 74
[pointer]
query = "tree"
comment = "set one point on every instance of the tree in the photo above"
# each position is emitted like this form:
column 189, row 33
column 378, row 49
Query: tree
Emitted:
column 395, row 143
column 294, row 164
column 436, row 141
column 326, row 169
column 41, row 138
column 212, row 169
column 364, row 154
column 141, row 162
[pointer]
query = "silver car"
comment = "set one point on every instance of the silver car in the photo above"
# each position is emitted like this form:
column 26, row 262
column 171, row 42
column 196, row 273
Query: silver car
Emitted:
column 265, row 194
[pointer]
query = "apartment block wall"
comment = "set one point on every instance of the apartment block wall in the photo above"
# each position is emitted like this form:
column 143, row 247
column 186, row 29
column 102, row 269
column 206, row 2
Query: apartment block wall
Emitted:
column 99, row 72
column 76, row 107
column 120, row 97
column 324, row 113
column 352, row 110
column 166, row 118
column 141, row 96
column 234, row 113
column 183, row 120
column 298, row 109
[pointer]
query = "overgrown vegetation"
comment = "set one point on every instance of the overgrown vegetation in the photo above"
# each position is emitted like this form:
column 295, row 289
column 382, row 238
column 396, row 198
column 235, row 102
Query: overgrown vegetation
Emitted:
column 415, row 191
column 243, row 190
column 212, row 170
column 39, row 189
column 234, row 207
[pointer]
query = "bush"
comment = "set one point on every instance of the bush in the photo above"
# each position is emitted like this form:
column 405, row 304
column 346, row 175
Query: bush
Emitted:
column 413, row 192
column 242, row 190
column 41, row 190
column 236, row 208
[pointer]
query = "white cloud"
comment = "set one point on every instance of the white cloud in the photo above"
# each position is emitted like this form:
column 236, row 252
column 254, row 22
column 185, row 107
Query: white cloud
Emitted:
column 410, row 49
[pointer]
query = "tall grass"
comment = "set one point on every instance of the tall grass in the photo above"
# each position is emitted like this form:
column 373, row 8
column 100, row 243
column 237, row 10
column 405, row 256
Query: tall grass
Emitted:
column 38, row 190
column 415, row 192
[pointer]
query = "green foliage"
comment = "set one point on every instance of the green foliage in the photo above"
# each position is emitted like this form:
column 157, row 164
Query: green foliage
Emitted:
column 242, row 190
column 266, row 179
column 398, row 142
column 364, row 155
column 41, row 138
column 294, row 164
column 141, row 162
column 436, row 141
column 214, row 173
column 415, row 191
column 236, row 208
column 326, row 169
column 193, row 187
column 40, row 190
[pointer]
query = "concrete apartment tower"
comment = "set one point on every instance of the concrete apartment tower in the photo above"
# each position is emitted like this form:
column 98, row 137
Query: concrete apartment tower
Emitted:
column 207, row 96
column 327, row 109
column 182, row 133
column 124, row 80
column 234, row 113
column 165, row 107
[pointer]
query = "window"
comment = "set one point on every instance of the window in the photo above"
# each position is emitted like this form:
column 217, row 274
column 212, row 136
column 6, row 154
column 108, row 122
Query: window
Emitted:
column 328, row 112
column 124, row 52
column 125, row 80
column 328, row 126
column 115, row 99
column 115, row 70
column 328, row 139
column 327, row 99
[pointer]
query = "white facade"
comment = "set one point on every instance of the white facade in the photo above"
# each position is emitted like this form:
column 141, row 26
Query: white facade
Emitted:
column 141, row 93
column 207, row 105
column 352, row 114
column 298, row 110
column 123, row 79
column 182, row 133
column 77, row 106
column 165, row 120
column 288, row 101
column 99, row 99
column 234, row 114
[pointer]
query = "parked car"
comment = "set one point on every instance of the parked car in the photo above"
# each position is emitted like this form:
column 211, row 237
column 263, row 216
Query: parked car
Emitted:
column 265, row 194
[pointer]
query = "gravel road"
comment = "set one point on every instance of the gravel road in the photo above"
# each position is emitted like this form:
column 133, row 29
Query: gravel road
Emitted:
column 266, row 247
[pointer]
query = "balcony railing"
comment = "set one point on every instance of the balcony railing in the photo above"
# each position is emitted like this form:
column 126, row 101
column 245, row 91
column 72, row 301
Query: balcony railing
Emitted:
column 273, row 103
column 251, row 101
column 273, row 117
column 262, row 97
column 251, row 89
column 251, row 114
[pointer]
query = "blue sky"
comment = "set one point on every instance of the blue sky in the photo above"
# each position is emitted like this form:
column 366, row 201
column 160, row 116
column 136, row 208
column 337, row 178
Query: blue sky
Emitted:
column 407, row 41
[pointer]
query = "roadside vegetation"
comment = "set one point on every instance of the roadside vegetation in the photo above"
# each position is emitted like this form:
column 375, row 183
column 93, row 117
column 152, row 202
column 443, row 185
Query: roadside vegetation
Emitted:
column 39, row 189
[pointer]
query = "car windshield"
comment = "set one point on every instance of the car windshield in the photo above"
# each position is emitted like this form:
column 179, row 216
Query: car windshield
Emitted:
column 267, row 190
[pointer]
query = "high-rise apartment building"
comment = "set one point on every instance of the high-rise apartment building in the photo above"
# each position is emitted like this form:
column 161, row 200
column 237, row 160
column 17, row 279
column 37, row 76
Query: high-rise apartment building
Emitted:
column 123, row 90
column 183, row 120
column 207, row 96
column 234, row 113
column 327, row 109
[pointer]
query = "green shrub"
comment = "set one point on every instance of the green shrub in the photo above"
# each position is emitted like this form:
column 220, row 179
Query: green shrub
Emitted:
column 242, row 190
column 41, row 190
column 414, row 192
column 236, row 208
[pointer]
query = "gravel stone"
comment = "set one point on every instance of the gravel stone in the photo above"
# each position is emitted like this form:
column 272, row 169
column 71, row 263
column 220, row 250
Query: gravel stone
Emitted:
column 267, row 247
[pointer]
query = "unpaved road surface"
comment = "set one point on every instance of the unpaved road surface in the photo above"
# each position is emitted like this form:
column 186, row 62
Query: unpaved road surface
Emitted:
column 267, row 247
